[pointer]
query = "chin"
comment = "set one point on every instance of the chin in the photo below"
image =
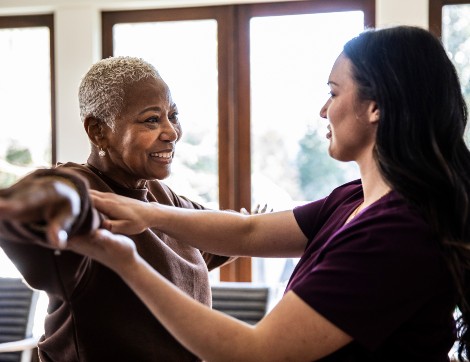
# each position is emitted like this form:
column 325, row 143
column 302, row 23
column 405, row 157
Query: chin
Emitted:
column 336, row 155
column 163, row 175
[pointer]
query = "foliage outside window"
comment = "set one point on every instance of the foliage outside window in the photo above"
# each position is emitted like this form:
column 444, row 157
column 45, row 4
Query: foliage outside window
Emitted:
column 456, row 39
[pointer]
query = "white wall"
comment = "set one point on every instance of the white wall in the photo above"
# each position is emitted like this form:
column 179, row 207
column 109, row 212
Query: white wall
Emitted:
column 77, row 46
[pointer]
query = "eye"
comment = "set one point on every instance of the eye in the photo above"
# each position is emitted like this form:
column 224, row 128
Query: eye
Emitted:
column 332, row 94
column 152, row 120
column 174, row 117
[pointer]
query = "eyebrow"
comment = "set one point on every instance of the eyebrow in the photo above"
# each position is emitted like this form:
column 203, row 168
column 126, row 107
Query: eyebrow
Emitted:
column 152, row 108
column 330, row 82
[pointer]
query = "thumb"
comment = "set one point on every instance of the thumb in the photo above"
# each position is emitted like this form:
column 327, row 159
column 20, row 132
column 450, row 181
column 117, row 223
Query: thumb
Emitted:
column 57, row 231
column 56, row 235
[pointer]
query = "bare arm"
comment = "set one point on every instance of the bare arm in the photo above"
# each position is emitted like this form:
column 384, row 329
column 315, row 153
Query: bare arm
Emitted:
column 274, row 234
column 293, row 331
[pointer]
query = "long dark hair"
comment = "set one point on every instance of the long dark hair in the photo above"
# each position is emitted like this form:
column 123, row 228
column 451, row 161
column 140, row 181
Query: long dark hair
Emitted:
column 420, row 148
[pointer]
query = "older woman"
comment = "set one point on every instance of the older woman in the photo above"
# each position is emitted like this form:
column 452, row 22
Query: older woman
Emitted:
column 132, row 124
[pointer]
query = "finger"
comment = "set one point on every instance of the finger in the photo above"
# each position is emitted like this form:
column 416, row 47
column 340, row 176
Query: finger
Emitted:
column 244, row 211
column 118, row 226
column 98, row 193
column 57, row 229
column 57, row 236
column 256, row 210
column 107, row 224
column 263, row 210
column 101, row 204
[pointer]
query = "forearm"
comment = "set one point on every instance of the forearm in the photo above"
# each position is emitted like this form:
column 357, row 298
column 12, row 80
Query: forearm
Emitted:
column 230, row 233
column 275, row 234
column 222, row 233
column 209, row 334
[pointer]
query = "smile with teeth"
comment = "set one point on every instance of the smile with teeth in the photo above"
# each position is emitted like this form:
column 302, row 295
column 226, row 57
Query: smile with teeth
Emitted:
column 165, row 155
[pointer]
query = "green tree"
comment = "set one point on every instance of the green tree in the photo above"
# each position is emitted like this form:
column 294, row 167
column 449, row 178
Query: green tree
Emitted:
column 318, row 172
column 17, row 155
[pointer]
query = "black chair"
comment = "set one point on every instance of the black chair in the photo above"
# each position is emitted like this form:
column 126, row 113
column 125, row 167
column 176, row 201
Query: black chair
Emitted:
column 244, row 301
column 17, row 309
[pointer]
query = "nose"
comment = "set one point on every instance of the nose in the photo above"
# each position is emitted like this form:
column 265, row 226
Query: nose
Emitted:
column 324, row 109
column 169, row 131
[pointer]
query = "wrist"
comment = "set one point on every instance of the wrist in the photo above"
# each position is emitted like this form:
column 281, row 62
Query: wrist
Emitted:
column 130, row 271
column 153, row 215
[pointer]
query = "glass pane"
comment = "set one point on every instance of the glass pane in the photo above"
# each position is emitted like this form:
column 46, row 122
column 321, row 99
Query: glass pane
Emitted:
column 456, row 39
column 185, row 54
column 25, row 112
column 25, row 91
column 291, row 58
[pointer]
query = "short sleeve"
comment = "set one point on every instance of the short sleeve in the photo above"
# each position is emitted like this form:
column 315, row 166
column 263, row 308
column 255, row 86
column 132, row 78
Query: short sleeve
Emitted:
column 307, row 217
column 313, row 216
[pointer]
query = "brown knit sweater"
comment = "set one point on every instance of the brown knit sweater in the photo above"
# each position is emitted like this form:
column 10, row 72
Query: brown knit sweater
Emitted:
column 92, row 314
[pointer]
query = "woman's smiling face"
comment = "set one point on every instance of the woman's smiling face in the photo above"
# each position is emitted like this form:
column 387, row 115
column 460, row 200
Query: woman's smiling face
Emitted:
column 352, row 122
column 142, row 145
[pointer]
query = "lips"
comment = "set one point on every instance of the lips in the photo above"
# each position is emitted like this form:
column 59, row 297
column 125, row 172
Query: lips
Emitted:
column 163, row 155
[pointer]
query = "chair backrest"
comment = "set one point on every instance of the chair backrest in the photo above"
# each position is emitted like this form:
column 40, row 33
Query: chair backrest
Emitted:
column 244, row 301
column 17, row 309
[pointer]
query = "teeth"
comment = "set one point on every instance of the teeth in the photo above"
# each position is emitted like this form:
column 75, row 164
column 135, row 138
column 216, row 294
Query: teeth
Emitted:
column 162, row 155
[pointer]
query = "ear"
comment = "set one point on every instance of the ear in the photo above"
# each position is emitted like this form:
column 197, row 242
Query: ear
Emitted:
column 94, row 128
column 374, row 112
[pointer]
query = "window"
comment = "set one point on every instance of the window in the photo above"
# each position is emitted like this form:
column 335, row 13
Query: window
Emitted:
column 194, row 88
column 27, row 138
column 450, row 19
column 290, row 164
column 26, row 90
column 249, row 81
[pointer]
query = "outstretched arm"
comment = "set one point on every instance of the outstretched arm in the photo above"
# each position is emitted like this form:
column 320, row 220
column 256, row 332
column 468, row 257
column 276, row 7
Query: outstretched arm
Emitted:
column 293, row 331
column 49, row 203
column 274, row 234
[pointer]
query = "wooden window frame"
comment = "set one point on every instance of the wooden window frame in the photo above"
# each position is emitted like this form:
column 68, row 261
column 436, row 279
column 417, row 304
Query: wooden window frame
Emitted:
column 31, row 21
column 435, row 13
column 234, row 159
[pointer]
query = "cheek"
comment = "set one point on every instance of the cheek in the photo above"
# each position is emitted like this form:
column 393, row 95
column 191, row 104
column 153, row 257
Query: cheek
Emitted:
column 127, row 140
column 132, row 145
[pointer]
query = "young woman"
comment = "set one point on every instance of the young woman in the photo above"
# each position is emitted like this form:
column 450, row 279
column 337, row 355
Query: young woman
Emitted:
column 384, row 259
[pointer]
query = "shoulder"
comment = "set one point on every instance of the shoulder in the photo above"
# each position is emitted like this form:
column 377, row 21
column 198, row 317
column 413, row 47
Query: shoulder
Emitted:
column 337, row 205
column 75, row 169
column 81, row 170
column 392, row 216
column 390, row 225
column 351, row 191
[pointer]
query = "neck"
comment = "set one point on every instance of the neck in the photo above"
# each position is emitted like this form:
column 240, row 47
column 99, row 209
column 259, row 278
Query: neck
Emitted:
column 115, row 174
column 373, row 184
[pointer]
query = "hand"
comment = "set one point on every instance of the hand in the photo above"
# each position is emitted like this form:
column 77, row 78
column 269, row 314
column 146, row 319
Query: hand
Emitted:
column 126, row 216
column 258, row 210
column 115, row 251
column 49, row 203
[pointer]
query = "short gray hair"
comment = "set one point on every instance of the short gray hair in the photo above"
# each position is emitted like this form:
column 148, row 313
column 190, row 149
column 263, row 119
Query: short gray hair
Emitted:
column 102, row 90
